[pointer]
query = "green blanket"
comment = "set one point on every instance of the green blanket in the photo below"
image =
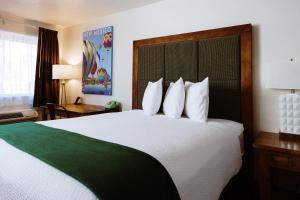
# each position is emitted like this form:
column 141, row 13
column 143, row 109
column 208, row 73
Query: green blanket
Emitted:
column 110, row 170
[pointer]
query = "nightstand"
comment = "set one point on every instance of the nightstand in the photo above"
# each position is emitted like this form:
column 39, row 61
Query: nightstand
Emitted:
column 274, row 152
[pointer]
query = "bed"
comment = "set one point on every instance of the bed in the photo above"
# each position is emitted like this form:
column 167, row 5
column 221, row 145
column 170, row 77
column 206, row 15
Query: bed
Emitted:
column 200, row 158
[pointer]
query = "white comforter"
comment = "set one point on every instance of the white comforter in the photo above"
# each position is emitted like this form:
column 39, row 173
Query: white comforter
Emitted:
column 200, row 157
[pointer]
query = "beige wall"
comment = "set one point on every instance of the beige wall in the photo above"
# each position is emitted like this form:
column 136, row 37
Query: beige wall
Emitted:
column 275, row 37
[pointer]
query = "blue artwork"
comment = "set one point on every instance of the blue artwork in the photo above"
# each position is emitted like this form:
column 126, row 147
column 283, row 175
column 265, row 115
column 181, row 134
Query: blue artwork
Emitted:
column 97, row 61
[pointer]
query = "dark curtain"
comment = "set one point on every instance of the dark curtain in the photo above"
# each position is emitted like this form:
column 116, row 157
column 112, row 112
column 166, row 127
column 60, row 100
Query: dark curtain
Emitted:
column 46, row 89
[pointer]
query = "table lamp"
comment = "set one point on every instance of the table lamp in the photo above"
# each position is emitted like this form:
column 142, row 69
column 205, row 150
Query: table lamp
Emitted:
column 286, row 76
column 63, row 73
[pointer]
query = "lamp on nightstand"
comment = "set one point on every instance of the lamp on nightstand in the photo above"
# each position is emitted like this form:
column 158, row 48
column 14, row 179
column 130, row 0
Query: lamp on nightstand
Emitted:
column 63, row 73
column 286, row 76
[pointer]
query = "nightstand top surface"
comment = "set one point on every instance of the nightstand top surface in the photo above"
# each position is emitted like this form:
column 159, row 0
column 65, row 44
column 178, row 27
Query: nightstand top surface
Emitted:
column 272, row 141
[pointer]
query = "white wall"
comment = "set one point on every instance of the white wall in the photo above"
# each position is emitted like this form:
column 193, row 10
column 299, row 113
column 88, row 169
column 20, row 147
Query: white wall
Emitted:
column 275, row 36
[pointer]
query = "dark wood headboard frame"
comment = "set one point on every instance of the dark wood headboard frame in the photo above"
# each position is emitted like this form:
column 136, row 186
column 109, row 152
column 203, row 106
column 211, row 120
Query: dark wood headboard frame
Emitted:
column 245, row 34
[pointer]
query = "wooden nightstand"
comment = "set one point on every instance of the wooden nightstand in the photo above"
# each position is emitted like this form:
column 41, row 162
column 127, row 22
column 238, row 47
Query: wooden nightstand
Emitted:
column 273, row 152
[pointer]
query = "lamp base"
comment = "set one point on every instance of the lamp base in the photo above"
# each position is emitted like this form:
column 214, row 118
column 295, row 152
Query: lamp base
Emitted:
column 63, row 92
column 289, row 136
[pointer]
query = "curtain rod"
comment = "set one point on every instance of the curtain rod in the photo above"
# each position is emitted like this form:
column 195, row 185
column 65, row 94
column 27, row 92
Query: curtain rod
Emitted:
column 3, row 20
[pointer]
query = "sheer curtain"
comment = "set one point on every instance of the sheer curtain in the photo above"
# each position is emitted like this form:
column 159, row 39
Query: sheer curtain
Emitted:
column 17, row 70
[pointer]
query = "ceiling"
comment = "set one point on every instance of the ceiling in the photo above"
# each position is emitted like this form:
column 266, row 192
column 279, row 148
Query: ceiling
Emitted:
column 65, row 13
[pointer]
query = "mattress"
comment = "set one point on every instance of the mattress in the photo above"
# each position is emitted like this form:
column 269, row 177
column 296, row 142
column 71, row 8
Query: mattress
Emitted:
column 200, row 157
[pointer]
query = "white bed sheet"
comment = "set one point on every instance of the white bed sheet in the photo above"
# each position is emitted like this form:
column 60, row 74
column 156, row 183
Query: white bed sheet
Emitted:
column 200, row 157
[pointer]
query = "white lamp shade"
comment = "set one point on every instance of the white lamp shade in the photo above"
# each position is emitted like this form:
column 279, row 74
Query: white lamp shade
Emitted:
column 66, row 72
column 284, row 76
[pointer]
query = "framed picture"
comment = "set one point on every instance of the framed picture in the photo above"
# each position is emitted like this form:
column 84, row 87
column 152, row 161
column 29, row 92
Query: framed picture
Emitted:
column 97, row 61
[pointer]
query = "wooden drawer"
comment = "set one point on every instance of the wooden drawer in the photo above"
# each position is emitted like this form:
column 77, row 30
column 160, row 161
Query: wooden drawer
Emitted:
column 280, row 160
column 289, row 162
column 295, row 163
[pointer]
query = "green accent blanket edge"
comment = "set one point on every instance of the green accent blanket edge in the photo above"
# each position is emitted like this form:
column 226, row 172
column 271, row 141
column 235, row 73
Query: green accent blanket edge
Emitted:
column 109, row 170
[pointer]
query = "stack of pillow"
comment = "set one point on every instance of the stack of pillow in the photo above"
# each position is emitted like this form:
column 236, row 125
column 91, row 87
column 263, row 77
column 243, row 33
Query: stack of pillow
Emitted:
column 190, row 98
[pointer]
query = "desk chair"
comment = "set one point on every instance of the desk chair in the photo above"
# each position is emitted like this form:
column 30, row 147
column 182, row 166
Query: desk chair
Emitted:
column 54, row 114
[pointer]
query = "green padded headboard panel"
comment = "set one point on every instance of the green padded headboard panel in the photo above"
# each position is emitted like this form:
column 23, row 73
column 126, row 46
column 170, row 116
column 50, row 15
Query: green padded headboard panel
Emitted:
column 217, row 58
column 151, row 67
column 181, row 61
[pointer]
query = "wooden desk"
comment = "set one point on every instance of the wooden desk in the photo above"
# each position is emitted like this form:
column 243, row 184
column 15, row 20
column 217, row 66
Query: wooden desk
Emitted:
column 272, row 151
column 79, row 110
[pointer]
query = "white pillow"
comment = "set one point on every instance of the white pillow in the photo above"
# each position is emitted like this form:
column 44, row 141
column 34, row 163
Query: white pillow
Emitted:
column 174, row 100
column 152, row 97
column 196, row 100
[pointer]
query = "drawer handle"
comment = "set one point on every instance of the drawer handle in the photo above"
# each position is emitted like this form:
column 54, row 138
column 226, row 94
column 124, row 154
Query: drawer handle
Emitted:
column 281, row 159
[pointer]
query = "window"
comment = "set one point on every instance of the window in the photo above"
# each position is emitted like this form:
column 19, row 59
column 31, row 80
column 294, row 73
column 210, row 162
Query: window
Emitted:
column 17, row 69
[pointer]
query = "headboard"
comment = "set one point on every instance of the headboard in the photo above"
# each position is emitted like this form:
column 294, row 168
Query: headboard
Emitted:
column 224, row 55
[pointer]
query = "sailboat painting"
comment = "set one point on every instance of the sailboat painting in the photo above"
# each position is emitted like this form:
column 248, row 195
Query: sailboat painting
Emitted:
column 97, row 61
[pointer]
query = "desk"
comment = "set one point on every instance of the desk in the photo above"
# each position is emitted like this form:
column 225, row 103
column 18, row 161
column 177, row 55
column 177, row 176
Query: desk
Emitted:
column 78, row 110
